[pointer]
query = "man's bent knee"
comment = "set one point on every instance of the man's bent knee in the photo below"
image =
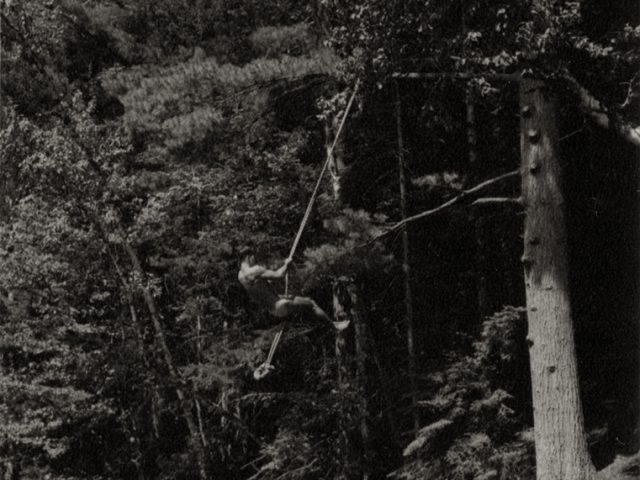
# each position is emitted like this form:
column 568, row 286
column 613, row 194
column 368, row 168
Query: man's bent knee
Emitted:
column 281, row 308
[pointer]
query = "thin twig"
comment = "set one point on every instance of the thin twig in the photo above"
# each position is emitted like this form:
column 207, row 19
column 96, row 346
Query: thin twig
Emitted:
column 296, row 470
column 571, row 134
column 203, row 437
column 252, row 463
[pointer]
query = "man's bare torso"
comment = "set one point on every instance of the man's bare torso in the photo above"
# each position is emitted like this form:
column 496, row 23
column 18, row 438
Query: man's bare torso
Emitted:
column 260, row 290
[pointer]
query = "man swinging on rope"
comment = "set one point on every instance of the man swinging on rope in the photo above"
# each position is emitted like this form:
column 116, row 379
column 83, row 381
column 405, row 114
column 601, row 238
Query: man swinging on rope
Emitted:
column 255, row 279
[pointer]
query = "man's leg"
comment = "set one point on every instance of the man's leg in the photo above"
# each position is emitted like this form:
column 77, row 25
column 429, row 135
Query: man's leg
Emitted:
column 304, row 305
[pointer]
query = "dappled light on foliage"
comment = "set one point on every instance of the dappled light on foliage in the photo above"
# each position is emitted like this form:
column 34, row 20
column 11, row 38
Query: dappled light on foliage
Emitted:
column 473, row 414
column 148, row 147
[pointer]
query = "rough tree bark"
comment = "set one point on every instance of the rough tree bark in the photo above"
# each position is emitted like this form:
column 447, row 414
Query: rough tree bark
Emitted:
column 406, row 268
column 560, row 438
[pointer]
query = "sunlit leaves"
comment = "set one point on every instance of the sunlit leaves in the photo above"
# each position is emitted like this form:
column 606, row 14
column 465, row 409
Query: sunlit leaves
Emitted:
column 40, row 243
column 178, row 103
column 278, row 40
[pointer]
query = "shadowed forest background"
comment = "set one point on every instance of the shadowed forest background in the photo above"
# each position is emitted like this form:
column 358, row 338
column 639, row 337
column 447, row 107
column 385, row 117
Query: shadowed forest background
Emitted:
column 145, row 145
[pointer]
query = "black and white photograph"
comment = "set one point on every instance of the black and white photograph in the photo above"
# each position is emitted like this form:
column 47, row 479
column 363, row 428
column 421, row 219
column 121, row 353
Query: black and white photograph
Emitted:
column 319, row 240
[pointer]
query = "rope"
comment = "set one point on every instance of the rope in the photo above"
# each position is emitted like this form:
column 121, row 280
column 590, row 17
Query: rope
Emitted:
column 316, row 189
column 274, row 345
column 266, row 367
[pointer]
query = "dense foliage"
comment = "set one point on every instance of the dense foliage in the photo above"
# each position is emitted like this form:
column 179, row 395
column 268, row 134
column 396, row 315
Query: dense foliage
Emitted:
column 147, row 145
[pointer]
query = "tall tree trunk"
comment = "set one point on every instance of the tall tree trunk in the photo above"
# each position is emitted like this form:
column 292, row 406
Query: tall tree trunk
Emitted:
column 406, row 267
column 336, row 157
column 8, row 169
column 472, row 149
column 358, row 319
column 385, row 387
column 348, row 306
column 137, row 461
column 176, row 378
column 560, row 438
column 173, row 373
column 342, row 361
column 472, row 134
column 156, row 399
column 203, row 438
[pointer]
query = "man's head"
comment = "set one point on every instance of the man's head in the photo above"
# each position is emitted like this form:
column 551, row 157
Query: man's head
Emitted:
column 248, row 260
column 247, row 256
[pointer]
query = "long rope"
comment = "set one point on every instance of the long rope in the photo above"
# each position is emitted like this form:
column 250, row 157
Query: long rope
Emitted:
column 307, row 212
column 312, row 200
column 316, row 189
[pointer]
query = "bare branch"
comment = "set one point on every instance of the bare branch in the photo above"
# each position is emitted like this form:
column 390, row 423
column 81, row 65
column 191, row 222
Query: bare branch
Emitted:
column 298, row 470
column 453, row 201
column 602, row 115
column 494, row 200
column 513, row 77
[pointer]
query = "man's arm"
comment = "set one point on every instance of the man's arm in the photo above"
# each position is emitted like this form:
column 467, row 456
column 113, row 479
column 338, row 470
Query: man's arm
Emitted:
column 279, row 273
column 258, row 271
column 266, row 273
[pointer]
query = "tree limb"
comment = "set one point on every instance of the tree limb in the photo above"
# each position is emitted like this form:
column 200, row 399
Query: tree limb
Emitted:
column 160, row 336
column 453, row 201
column 494, row 200
column 509, row 77
column 601, row 115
